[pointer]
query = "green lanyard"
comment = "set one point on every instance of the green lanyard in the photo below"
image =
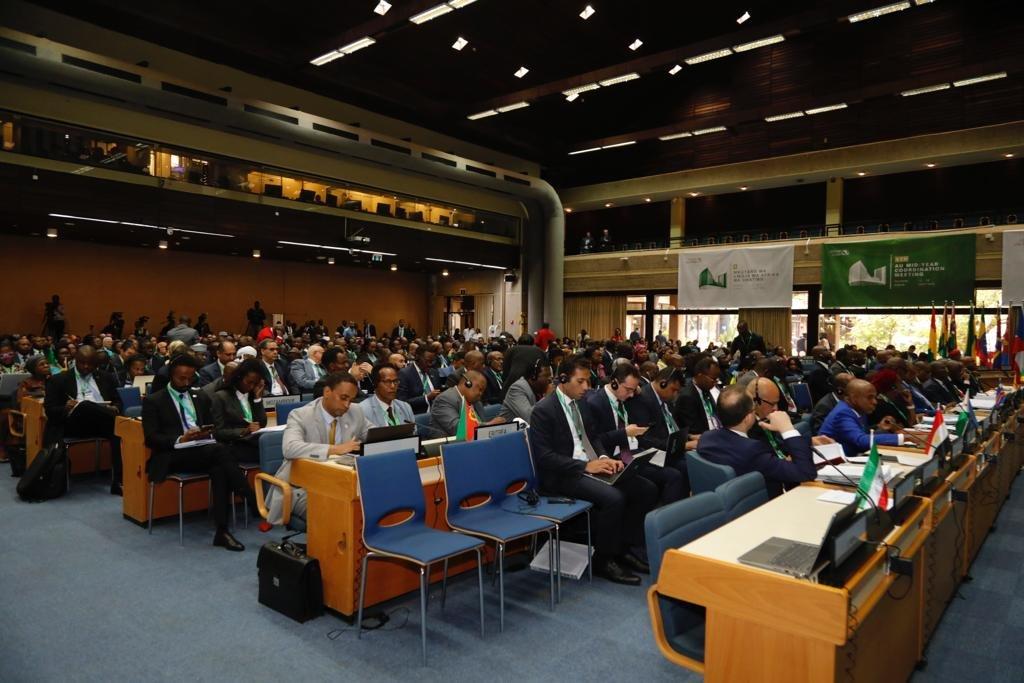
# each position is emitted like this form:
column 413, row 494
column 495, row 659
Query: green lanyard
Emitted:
column 426, row 383
column 389, row 414
column 186, row 407
column 774, row 444
column 669, row 420
column 619, row 409
column 246, row 408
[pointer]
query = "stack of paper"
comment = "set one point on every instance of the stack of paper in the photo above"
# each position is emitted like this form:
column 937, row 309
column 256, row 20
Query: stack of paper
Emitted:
column 853, row 474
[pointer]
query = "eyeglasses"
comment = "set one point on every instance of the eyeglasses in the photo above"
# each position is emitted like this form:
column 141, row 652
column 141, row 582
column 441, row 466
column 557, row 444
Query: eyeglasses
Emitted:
column 387, row 381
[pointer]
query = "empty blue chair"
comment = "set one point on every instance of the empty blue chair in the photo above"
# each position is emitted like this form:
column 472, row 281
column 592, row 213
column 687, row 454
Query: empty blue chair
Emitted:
column 271, row 457
column 679, row 626
column 390, row 483
column 284, row 408
column 802, row 397
column 742, row 494
column 469, row 473
column 422, row 422
column 131, row 401
column 706, row 475
column 511, row 457
column 490, row 412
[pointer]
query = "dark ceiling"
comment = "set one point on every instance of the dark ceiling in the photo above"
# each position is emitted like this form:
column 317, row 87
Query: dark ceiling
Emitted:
column 413, row 73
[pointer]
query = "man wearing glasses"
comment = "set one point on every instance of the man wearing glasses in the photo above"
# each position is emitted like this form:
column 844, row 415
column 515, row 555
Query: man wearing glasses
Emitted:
column 383, row 409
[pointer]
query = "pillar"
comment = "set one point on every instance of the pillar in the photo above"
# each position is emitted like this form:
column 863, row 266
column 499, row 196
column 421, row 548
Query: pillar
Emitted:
column 833, row 202
column 677, row 222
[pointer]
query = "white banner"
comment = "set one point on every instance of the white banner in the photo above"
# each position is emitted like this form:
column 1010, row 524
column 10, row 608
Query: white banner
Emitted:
column 745, row 277
column 1013, row 267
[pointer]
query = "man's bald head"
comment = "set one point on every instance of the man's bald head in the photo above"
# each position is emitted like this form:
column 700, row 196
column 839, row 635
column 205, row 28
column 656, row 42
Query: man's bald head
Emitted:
column 862, row 396
column 766, row 396
column 473, row 360
column 86, row 359
column 840, row 382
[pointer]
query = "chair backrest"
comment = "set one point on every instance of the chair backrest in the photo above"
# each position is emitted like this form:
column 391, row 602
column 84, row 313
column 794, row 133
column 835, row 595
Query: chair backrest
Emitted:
column 802, row 396
column 306, row 398
column 469, row 472
column 389, row 483
column 676, row 524
column 422, row 420
column 490, row 412
column 9, row 383
column 510, row 457
column 131, row 397
column 706, row 475
column 284, row 408
column 742, row 494
column 271, row 452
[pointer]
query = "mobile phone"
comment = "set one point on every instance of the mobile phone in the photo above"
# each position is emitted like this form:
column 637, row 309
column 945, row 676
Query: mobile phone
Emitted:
column 206, row 428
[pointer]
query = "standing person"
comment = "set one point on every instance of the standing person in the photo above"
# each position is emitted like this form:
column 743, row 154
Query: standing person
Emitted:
column 53, row 318
column 544, row 336
column 255, row 317
column 746, row 341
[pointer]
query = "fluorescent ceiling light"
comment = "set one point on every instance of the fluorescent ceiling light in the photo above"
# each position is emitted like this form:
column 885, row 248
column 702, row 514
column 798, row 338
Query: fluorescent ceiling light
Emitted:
column 705, row 131
column 365, row 41
column 584, row 151
column 581, row 88
column 676, row 136
column 432, row 13
column 620, row 79
column 708, row 56
column 587, row 12
column 459, row 4
column 521, row 71
column 483, row 114
column 743, row 17
column 926, row 89
column 980, row 79
column 513, row 107
column 822, row 110
column 878, row 12
column 460, row 43
column 333, row 248
column 572, row 97
column 783, row 117
column 382, row 7
column 754, row 44
column 465, row 263
column 635, row 45
column 922, row 2
column 327, row 57
column 675, row 69
column 80, row 218
column 619, row 144
column 136, row 225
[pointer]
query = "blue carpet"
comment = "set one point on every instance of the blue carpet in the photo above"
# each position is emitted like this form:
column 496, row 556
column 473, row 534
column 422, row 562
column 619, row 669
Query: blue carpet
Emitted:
column 86, row 596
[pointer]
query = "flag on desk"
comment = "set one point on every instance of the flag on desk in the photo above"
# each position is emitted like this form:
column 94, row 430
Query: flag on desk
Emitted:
column 467, row 423
column 938, row 435
column 872, row 481
column 962, row 420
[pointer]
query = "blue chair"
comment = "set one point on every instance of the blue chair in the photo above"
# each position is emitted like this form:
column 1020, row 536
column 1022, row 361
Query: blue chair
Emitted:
column 512, row 459
column 390, row 483
column 469, row 473
column 742, row 494
column 284, row 408
column 422, row 421
column 706, row 475
column 802, row 397
column 804, row 427
column 678, row 625
column 131, row 401
column 271, row 457
column 490, row 412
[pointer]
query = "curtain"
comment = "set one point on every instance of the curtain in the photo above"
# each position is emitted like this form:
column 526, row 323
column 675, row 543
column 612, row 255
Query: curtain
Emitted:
column 598, row 315
column 774, row 324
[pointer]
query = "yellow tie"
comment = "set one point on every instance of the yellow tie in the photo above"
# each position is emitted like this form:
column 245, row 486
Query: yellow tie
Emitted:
column 334, row 429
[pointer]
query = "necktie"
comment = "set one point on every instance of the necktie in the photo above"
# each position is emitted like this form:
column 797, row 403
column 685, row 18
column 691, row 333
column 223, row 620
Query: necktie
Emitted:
column 426, row 383
column 391, row 417
column 774, row 443
column 709, row 409
column 497, row 377
column 333, row 431
column 620, row 414
column 577, row 420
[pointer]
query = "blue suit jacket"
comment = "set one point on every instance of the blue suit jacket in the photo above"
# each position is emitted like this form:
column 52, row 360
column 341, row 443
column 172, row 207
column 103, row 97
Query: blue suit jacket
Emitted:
column 375, row 414
column 850, row 428
column 726, row 447
column 410, row 387
column 922, row 405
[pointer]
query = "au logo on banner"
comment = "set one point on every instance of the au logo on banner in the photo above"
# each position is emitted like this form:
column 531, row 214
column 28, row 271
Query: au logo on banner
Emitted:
column 754, row 277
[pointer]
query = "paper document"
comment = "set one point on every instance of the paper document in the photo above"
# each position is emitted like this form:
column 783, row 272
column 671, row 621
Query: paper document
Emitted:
column 195, row 444
column 658, row 459
column 840, row 497
column 831, row 451
column 853, row 474
column 904, row 458
column 278, row 428
column 983, row 402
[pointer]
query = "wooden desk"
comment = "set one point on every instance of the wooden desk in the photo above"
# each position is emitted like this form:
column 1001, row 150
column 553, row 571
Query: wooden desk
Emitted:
column 335, row 534
column 82, row 456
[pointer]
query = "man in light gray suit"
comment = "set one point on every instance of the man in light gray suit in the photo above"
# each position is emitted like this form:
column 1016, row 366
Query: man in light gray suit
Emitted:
column 446, row 409
column 306, row 372
column 523, row 393
column 382, row 408
column 319, row 430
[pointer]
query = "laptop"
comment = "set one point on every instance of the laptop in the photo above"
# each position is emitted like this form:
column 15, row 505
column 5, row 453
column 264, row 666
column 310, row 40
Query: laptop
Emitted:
column 626, row 472
column 485, row 432
column 378, row 434
column 677, row 442
column 142, row 383
column 805, row 560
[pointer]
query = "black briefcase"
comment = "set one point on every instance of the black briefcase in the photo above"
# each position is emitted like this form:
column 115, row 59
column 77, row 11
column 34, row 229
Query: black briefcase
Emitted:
column 290, row 581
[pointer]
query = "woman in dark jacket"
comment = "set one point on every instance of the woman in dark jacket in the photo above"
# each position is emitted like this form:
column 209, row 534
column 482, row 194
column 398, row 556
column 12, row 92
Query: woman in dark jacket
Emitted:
column 238, row 412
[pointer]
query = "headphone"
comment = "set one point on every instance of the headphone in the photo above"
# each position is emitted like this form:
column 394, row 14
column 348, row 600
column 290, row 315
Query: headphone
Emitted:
column 670, row 374
column 614, row 384
column 529, row 496
column 467, row 382
column 534, row 371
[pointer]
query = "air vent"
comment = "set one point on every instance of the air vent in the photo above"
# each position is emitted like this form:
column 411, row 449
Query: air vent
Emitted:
column 393, row 148
column 194, row 94
column 86, row 92
column 250, row 131
column 177, row 115
column 15, row 45
column 517, row 181
column 316, row 147
column 101, row 69
column 335, row 131
column 439, row 160
column 481, row 171
column 272, row 115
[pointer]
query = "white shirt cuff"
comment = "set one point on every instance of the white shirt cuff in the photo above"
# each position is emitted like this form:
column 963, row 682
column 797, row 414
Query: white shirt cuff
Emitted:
column 789, row 434
column 900, row 437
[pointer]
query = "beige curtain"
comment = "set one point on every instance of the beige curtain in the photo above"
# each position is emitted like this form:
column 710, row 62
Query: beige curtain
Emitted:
column 774, row 324
column 598, row 315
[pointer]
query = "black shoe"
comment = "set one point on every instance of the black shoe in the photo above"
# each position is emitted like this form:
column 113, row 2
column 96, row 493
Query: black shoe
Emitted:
column 635, row 563
column 616, row 573
column 224, row 539
column 116, row 489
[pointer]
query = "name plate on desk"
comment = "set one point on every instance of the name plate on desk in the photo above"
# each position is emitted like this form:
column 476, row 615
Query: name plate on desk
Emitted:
column 273, row 401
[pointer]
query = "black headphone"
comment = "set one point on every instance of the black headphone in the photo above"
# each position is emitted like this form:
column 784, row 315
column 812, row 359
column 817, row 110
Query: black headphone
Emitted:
column 466, row 381
column 534, row 371
column 614, row 384
column 529, row 496
column 672, row 374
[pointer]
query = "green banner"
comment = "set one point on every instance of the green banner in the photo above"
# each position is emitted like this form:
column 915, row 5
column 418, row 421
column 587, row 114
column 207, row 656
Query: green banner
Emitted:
column 900, row 272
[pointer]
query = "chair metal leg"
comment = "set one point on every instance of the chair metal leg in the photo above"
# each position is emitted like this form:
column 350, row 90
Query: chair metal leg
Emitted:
column 245, row 511
column 551, row 568
column 149, row 508
column 362, row 592
column 480, row 586
column 444, row 582
column 494, row 567
column 501, row 587
column 423, row 611
column 181, row 513
column 558, row 564
column 590, row 553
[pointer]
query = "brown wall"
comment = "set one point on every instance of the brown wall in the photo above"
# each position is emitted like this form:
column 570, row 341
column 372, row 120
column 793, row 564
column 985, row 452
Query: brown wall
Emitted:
column 94, row 280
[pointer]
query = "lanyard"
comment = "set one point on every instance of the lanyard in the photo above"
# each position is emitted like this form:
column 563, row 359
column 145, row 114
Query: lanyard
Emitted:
column 188, row 411
column 246, row 408
column 389, row 414
column 670, row 421
column 618, row 408
column 709, row 410
column 773, row 442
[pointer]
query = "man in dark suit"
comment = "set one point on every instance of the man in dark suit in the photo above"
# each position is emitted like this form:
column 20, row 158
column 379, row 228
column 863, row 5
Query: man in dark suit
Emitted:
column 521, row 360
column 565, row 448
column 784, row 460
column 495, row 377
column 179, row 415
column 651, row 408
column 402, row 330
column 695, row 406
column 819, row 380
column 842, row 362
column 225, row 354
column 418, row 383
column 83, row 402
column 609, row 408
column 823, row 407
column 746, row 341
column 275, row 370
column 369, row 330
column 936, row 389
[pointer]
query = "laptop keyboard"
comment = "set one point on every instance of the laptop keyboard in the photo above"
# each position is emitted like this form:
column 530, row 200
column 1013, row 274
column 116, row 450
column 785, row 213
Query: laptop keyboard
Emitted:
column 797, row 557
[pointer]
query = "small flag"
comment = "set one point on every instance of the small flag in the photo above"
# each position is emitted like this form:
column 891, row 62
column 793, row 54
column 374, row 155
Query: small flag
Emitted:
column 1017, row 349
column 962, row 420
column 872, row 481
column 467, row 423
column 981, row 351
column 998, row 353
column 945, row 331
column 951, row 339
column 971, row 334
column 938, row 435
column 933, row 343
